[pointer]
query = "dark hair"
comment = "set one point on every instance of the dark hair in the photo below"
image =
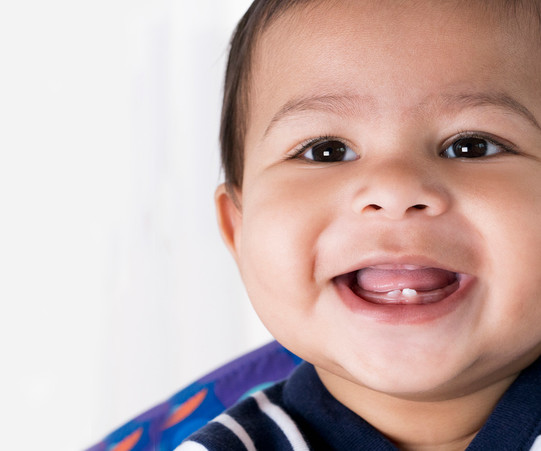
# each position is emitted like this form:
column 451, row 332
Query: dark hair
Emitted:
column 237, row 79
column 255, row 21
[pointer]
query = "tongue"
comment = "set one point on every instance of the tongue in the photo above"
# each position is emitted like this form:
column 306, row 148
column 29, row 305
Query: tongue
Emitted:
column 421, row 279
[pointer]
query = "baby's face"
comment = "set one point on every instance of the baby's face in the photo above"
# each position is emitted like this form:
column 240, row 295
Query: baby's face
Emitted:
column 391, row 205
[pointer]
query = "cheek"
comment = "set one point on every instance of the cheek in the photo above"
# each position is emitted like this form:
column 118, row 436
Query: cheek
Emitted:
column 512, row 225
column 503, row 203
column 507, row 211
column 283, row 220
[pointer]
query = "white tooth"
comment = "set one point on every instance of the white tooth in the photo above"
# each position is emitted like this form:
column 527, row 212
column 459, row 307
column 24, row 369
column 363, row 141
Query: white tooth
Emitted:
column 408, row 292
column 394, row 294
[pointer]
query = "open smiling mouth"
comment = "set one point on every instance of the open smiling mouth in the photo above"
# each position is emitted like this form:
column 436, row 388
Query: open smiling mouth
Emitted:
column 405, row 284
column 403, row 293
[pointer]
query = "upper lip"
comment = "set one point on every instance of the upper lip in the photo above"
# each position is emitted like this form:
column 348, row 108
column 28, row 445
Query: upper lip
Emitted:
column 400, row 262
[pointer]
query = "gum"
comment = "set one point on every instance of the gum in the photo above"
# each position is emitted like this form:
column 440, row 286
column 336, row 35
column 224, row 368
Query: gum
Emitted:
column 407, row 295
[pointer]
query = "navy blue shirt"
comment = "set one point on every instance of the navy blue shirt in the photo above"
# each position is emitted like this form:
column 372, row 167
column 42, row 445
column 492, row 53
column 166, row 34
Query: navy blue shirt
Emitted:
column 300, row 414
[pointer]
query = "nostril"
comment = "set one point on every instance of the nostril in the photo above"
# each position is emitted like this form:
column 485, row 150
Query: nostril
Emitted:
column 375, row 207
column 371, row 208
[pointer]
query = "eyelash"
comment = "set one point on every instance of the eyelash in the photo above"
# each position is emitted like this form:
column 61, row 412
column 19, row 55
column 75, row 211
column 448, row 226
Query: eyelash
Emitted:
column 506, row 147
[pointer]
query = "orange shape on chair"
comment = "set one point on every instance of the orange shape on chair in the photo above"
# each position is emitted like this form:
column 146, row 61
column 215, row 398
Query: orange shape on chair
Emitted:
column 129, row 442
column 185, row 409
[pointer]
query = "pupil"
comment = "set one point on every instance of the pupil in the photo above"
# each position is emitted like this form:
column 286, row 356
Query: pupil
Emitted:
column 470, row 147
column 329, row 151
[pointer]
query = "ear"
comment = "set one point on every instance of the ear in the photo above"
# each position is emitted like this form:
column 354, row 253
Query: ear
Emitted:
column 228, row 209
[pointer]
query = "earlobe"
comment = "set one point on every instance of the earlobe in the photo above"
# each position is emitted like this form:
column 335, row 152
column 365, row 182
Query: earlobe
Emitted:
column 229, row 215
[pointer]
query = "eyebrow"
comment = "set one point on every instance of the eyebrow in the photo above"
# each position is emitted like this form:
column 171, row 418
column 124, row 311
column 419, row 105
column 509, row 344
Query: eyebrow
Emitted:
column 339, row 104
column 351, row 104
column 498, row 99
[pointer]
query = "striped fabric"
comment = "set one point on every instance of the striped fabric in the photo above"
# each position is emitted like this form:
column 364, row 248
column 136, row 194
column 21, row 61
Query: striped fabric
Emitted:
column 282, row 420
column 537, row 444
column 231, row 424
column 300, row 415
column 234, row 430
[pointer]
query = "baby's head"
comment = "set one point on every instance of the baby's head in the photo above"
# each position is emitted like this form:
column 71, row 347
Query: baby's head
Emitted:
column 263, row 13
column 383, row 187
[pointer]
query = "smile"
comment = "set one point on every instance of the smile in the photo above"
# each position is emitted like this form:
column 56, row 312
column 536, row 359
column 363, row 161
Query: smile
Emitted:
column 404, row 284
column 403, row 293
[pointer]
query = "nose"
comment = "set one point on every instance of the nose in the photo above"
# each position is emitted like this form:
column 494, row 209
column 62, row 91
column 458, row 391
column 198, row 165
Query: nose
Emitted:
column 400, row 189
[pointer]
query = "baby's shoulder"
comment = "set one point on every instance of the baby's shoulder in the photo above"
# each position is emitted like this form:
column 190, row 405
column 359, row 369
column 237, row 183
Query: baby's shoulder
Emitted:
column 259, row 422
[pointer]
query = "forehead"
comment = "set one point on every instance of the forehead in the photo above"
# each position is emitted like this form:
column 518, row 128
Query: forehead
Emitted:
column 422, row 49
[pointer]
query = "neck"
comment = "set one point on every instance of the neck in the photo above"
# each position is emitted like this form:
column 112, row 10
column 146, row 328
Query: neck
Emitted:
column 413, row 425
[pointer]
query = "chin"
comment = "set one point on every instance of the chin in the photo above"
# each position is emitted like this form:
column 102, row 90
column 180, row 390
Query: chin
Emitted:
column 400, row 384
column 414, row 387
column 410, row 377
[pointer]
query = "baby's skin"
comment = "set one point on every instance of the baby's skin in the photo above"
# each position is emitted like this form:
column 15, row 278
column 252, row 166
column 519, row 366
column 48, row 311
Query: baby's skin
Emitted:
column 388, row 225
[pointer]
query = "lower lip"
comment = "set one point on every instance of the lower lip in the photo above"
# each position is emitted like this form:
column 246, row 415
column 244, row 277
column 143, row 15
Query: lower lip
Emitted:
column 403, row 313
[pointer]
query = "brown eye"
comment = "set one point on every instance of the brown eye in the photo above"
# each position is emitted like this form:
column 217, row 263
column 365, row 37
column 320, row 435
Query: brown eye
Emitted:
column 471, row 147
column 330, row 152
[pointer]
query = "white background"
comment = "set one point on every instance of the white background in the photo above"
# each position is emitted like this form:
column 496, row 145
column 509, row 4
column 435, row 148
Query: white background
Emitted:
column 115, row 288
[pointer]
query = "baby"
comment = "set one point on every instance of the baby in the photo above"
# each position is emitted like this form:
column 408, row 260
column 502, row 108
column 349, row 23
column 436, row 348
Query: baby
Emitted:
column 383, row 204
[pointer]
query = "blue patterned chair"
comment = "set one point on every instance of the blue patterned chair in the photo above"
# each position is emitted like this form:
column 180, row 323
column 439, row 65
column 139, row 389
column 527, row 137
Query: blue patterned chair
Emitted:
column 163, row 427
